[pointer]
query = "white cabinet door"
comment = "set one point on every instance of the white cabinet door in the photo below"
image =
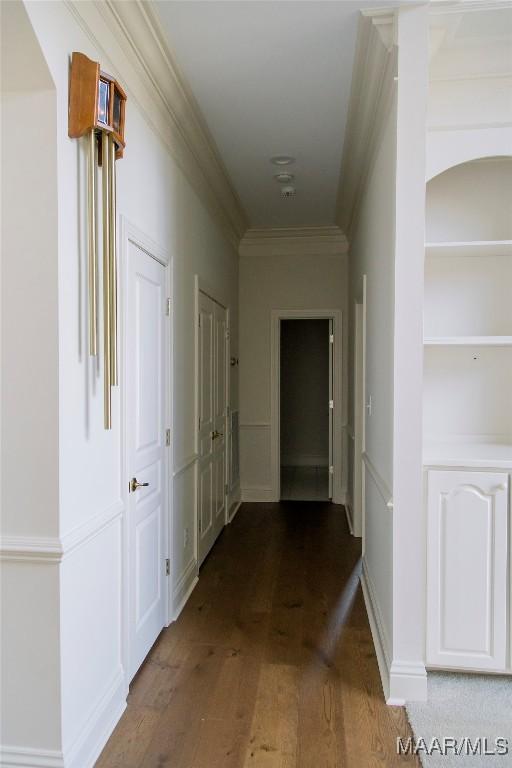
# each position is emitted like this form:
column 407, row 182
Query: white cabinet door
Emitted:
column 467, row 569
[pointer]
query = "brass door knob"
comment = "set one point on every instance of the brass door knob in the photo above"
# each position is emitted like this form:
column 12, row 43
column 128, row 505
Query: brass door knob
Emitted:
column 216, row 434
column 134, row 484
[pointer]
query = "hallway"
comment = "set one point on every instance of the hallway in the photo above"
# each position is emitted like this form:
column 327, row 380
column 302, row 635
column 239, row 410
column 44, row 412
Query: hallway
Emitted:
column 271, row 662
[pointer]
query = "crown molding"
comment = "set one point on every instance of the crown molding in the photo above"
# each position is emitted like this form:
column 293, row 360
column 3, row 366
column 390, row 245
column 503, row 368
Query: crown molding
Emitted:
column 375, row 68
column 130, row 37
column 440, row 7
column 284, row 241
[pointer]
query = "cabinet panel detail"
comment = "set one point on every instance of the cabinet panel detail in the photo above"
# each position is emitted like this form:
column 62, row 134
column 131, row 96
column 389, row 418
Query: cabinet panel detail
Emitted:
column 467, row 569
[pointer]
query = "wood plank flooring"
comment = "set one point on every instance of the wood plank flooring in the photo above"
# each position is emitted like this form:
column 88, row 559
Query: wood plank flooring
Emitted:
column 271, row 664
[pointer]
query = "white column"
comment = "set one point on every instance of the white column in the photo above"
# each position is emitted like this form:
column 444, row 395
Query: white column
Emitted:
column 408, row 676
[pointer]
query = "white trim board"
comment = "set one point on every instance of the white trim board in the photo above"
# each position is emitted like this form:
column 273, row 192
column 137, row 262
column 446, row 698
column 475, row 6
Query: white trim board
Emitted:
column 43, row 549
column 402, row 681
column 275, row 462
column 184, row 588
column 295, row 241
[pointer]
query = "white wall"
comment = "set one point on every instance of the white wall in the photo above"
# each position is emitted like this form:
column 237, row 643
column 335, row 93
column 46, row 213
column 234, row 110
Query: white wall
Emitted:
column 86, row 499
column 30, row 624
column 267, row 282
column 372, row 253
column 304, row 393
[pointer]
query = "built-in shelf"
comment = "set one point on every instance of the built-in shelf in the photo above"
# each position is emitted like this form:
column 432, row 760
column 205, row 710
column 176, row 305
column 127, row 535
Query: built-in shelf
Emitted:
column 467, row 341
column 470, row 248
column 497, row 455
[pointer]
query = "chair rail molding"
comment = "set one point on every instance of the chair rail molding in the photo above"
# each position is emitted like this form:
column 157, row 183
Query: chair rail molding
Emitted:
column 53, row 549
column 375, row 66
column 141, row 59
column 284, row 241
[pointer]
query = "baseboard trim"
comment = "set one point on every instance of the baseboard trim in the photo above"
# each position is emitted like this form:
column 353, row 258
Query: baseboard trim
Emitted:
column 377, row 630
column 235, row 507
column 184, row 588
column 402, row 681
column 20, row 757
column 348, row 514
column 262, row 494
column 91, row 740
column 407, row 682
column 97, row 730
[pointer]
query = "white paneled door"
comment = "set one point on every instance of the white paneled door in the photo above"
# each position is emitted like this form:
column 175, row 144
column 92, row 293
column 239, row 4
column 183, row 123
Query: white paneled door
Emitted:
column 145, row 368
column 331, row 408
column 467, row 569
column 212, row 406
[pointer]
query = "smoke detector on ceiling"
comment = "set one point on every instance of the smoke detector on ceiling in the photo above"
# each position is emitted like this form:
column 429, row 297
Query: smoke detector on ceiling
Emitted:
column 282, row 159
column 284, row 178
column 288, row 191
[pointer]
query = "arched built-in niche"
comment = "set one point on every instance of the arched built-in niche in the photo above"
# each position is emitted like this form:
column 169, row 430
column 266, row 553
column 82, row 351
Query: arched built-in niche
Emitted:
column 467, row 307
column 446, row 149
column 471, row 201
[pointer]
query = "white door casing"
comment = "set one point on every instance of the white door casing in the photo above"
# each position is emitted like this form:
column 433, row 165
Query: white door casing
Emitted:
column 206, row 341
column 146, row 446
column 220, row 419
column 331, row 407
column 359, row 421
column 467, row 572
column 212, row 422
column 275, row 385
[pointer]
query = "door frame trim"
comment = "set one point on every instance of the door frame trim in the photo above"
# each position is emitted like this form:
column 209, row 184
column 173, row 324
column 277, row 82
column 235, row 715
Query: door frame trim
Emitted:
column 359, row 414
column 202, row 286
column 336, row 316
column 129, row 233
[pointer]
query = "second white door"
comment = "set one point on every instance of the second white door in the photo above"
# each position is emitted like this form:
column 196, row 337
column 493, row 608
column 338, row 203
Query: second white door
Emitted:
column 212, row 386
column 145, row 353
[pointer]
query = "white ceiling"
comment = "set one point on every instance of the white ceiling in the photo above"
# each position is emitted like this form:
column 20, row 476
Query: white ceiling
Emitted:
column 271, row 78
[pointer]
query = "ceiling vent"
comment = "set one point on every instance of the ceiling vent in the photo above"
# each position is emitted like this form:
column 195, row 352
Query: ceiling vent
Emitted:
column 288, row 191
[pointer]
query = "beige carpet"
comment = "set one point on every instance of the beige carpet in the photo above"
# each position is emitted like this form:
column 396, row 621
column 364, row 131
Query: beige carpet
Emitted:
column 464, row 707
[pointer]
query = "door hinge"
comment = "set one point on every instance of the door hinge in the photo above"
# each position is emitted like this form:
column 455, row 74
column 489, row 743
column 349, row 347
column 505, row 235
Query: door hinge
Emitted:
column 167, row 567
column 199, row 422
column 331, row 338
column 331, row 404
column 331, row 470
column 167, row 437
column 200, row 525
column 199, row 320
column 227, row 335
column 168, row 307
column 226, row 489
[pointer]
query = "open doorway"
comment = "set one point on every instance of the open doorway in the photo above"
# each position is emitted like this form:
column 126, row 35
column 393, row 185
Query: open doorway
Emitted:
column 306, row 375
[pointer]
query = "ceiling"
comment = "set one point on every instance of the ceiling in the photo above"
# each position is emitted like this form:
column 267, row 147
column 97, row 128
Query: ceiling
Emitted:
column 271, row 78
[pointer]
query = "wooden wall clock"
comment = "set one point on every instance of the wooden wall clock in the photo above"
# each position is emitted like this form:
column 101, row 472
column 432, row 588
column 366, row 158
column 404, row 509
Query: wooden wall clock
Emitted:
column 97, row 109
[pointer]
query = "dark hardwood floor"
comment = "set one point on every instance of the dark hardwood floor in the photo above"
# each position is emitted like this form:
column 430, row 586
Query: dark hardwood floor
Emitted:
column 271, row 664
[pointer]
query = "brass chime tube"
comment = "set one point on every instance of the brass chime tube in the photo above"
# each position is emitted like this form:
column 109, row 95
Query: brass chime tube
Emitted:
column 92, row 251
column 113, row 262
column 106, row 279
